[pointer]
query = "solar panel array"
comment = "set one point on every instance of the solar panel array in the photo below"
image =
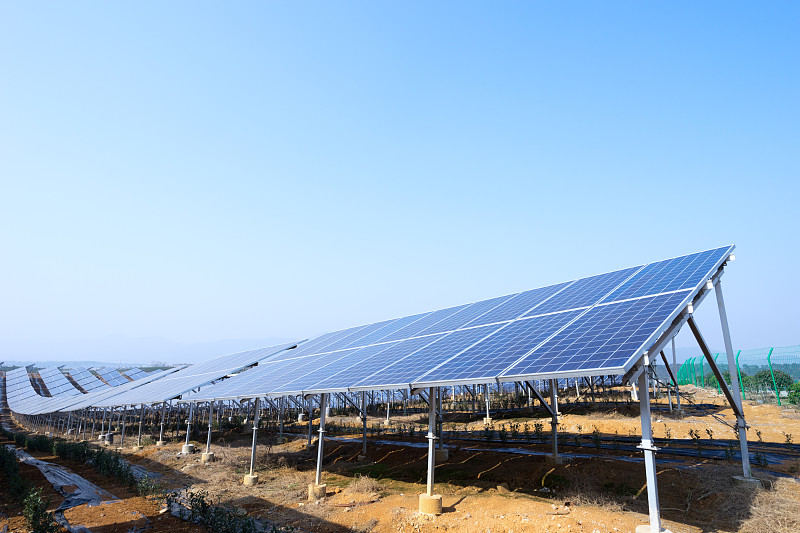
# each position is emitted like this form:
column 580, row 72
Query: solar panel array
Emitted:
column 57, row 383
column 594, row 325
column 134, row 373
column 88, row 381
column 112, row 376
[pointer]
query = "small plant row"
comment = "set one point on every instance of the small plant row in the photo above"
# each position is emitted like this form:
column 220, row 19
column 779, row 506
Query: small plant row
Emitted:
column 198, row 508
column 19, row 488
column 108, row 464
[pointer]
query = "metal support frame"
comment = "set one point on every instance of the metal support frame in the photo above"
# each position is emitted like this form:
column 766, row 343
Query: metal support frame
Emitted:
column 538, row 395
column 163, row 414
column 432, row 438
column 323, row 404
column 740, row 421
column 649, row 450
column 675, row 363
column 210, row 425
column 554, row 414
column 255, row 436
column 189, row 423
column 141, row 422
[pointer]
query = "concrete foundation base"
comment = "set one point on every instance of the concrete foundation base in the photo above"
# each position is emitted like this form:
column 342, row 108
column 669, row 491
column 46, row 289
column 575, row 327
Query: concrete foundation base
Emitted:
column 187, row 449
column 747, row 480
column 442, row 455
column 361, row 457
column 387, row 422
column 207, row 457
column 161, row 443
column 101, row 436
column 487, row 421
column 556, row 460
column 301, row 417
column 316, row 492
column 645, row 528
column 250, row 480
column 108, row 438
column 430, row 505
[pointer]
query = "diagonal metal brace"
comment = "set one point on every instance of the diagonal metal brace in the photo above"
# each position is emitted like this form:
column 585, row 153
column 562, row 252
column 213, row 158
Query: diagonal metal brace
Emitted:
column 724, row 386
column 531, row 388
column 671, row 375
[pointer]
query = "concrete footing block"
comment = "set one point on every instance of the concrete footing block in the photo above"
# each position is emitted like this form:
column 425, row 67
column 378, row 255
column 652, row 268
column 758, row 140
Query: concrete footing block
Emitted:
column 487, row 421
column 555, row 459
column 250, row 480
column 161, row 443
column 361, row 457
column 645, row 528
column 387, row 423
column 187, row 449
column 316, row 492
column 442, row 455
column 301, row 417
column 430, row 505
column 747, row 480
column 207, row 457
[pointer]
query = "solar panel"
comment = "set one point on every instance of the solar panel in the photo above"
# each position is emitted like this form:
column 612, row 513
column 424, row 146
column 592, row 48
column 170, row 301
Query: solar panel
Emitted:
column 57, row 383
column 596, row 324
column 88, row 381
column 112, row 376
column 134, row 373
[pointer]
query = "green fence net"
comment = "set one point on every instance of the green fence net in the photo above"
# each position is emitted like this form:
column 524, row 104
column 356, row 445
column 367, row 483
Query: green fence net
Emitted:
column 765, row 374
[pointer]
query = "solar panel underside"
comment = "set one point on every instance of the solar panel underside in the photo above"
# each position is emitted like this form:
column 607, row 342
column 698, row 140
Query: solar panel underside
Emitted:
column 599, row 325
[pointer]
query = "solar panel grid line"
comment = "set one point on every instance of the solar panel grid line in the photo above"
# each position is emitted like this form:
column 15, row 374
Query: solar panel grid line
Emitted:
column 601, row 304
column 580, row 315
column 401, row 374
column 382, row 359
column 471, row 313
column 430, row 319
column 604, row 330
column 521, row 303
column 483, row 361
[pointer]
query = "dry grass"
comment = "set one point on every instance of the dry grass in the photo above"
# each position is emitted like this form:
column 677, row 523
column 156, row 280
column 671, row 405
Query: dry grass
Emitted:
column 776, row 510
column 363, row 485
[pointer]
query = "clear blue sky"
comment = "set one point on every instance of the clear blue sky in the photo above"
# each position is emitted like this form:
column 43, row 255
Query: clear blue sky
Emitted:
column 203, row 171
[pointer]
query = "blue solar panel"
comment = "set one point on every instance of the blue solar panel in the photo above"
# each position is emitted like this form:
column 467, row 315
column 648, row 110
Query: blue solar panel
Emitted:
column 385, row 331
column 584, row 292
column 414, row 329
column 606, row 336
column 491, row 356
column 519, row 305
column 466, row 315
column 685, row 272
column 394, row 351
column 405, row 370
column 331, row 365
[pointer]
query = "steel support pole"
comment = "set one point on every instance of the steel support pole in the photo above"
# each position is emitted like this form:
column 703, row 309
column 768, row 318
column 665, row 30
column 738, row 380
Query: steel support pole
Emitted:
column 649, row 450
column 554, row 418
column 163, row 415
column 124, row 420
column 85, row 423
column 255, row 436
column 740, row 421
column 364, row 421
column 432, row 436
column 189, row 423
column 675, row 363
column 486, row 390
column 323, row 405
column 310, row 425
column 141, row 424
column 210, row 422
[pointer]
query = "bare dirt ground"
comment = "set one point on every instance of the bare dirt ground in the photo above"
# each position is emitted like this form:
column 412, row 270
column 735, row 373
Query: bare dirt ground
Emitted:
column 483, row 489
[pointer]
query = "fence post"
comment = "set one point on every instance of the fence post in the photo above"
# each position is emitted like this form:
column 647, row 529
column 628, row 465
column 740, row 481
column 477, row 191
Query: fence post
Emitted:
column 719, row 389
column 739, row 373
column 772, row 373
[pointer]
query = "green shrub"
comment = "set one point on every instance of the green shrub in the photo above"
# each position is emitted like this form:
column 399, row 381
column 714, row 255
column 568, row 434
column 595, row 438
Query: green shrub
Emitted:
column 35, row 512
column 15, row 485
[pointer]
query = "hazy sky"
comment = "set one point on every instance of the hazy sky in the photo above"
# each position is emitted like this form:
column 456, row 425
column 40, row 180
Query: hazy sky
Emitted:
column 206, row 171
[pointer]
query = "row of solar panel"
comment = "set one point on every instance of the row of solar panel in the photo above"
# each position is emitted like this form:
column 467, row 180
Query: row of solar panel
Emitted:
column 591, row 325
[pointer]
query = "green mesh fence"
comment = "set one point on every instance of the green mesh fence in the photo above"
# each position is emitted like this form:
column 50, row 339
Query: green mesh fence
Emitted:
column 765, row 374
